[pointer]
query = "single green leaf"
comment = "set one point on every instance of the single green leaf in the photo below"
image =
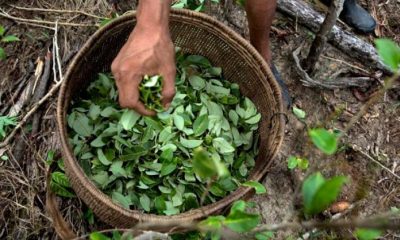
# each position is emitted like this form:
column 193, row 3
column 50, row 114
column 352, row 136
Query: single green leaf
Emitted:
column 260, row 189
column 292, row 162
column 98, row 142
column 117, row 169
column 234, row 117
column 98, row 236
column 121, row 199
column 167, row 169
column 60, row 178
column 60, row 190
column 310, row 187
column 200, row 125
column 167, row 155
column 145, row 202
column 267, row 235
column 179, row 121
column 108, row 112
column 190, row 143
column 129, row 119
column 101, row 178
column 253, row 120
column 326, row 194
column 389, row 52
column 303, row 163
column 197, row 82
column 102, row 158
column 94, row 111
column 81, row 125
column 198, row 60
column 324, row 140
column 222, row 145
column 368, row 234
column 10, row 38
column 319, row 193
column 2, row 30
column 300, row 114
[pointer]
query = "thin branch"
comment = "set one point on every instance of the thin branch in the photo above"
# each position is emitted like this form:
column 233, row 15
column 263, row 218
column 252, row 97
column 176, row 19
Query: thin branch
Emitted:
column 346, row 63
column 25, row 20
column 56, row 11
column 358, row 149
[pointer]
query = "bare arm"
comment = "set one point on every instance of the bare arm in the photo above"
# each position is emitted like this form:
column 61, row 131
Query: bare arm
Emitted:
column 149, row 50
column 260, row 14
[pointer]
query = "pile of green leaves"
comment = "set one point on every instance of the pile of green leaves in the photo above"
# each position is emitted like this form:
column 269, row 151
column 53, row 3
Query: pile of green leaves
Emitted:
column 147, row 162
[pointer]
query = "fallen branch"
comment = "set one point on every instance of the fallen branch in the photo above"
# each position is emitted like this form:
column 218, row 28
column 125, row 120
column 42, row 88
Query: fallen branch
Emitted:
column 334, row 83
column 25, row 20
column 56, row 11
column 343, row 40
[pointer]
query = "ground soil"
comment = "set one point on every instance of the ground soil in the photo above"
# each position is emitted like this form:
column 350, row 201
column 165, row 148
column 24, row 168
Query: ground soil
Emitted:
column 371, row 189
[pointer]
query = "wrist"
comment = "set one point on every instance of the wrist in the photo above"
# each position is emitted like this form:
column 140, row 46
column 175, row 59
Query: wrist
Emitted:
column 153, row 15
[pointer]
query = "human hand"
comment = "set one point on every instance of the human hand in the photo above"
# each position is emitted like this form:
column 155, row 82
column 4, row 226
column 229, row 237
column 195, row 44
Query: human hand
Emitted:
column 148, row 51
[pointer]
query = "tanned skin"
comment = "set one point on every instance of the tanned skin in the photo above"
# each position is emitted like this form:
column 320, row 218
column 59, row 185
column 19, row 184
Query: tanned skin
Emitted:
column 150, row 51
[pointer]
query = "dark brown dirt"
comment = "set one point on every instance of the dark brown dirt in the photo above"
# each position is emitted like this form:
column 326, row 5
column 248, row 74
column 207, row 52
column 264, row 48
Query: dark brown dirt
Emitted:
column 371, row 188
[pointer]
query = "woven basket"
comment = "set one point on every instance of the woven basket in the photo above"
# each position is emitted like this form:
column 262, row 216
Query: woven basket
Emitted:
column 195, row 33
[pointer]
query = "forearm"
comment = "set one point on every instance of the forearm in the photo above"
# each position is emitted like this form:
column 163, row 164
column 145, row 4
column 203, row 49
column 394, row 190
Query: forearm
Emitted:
column 153, row 14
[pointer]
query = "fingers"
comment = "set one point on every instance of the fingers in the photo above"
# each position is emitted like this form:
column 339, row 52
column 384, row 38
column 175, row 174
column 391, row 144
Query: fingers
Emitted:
column 129, row 94
column 168, row 91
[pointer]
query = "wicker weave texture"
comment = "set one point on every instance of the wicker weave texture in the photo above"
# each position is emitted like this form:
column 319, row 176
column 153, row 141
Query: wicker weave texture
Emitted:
column 195, row 33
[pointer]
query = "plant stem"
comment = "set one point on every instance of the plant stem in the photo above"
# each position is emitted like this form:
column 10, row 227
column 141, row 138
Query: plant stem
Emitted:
column 321, row 38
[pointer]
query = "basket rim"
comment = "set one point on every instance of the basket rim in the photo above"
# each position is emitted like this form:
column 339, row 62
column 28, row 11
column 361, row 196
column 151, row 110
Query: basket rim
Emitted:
column 72, row 164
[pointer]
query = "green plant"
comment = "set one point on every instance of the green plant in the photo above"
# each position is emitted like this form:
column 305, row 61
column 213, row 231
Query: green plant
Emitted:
column 206, row 142
column 294, row 162
column 5, row 39
column 5, row 123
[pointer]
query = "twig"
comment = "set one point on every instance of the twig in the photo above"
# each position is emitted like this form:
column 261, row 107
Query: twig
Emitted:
column 358, row 149
column 345, row 63
column 53, row 90
column 56, row 11
column 6, row 15
column 56, row 48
